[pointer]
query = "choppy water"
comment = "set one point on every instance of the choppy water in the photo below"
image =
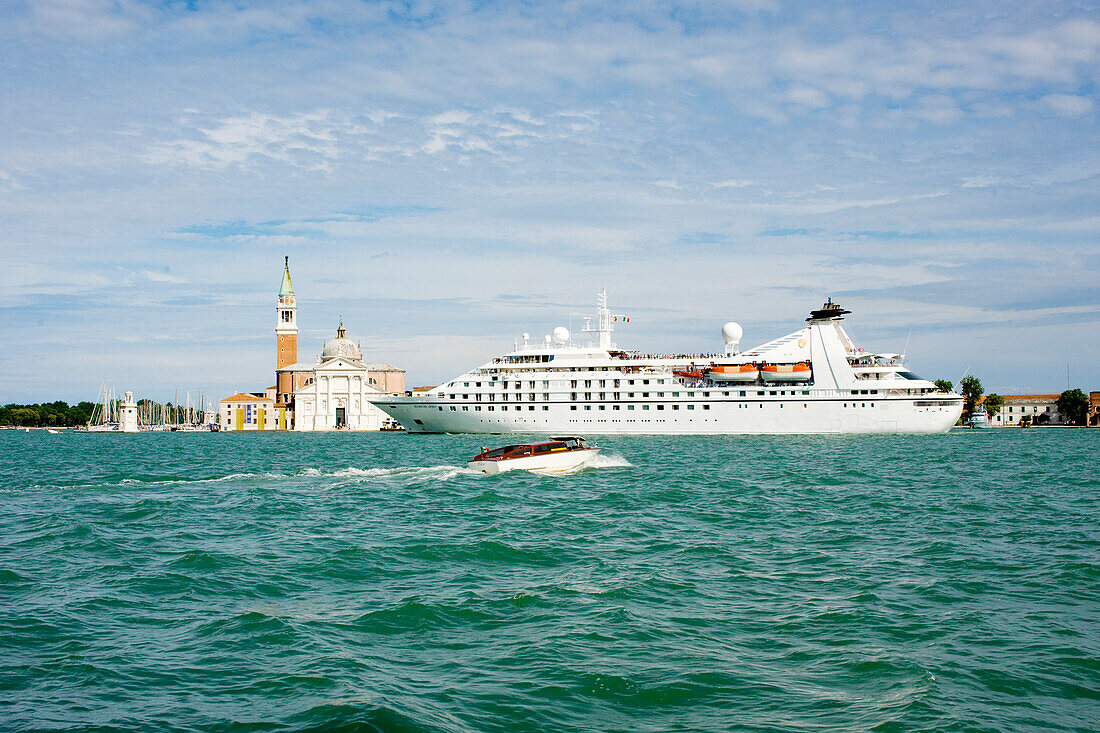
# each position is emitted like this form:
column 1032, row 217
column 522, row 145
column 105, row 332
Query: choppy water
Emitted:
column 370, row 583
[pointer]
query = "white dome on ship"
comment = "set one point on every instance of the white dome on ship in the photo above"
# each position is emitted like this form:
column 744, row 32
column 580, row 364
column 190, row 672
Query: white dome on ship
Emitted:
column 732, row 333
column 341, row 346
column 561, row 335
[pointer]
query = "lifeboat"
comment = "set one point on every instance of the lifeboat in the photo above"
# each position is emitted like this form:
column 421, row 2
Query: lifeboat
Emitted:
column 734, row 373
column 800, row 372
column 556, row 455
column 688, row 373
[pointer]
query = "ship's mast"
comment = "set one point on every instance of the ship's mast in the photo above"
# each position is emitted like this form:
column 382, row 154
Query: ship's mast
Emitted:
column 604, row 319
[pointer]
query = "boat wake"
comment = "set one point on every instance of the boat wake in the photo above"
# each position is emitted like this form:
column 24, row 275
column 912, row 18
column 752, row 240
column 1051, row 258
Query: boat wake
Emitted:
column 438, row 473
column 610, row 460
column 603, row 460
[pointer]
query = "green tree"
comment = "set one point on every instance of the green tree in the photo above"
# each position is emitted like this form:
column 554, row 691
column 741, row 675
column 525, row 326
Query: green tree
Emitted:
column 24, row 417
column 972, row 390
column 944, row 385
column 1074, row 406
column 993, row 403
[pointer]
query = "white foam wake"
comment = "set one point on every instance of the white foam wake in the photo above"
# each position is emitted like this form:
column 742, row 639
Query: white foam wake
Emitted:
column 442, row 473
column 610, row 460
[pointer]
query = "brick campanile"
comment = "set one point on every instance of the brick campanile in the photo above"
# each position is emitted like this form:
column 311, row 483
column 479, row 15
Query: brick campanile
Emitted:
column 286, row 322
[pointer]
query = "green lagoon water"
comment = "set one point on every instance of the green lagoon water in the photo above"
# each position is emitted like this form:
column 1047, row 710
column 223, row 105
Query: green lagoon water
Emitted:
column 345, row 582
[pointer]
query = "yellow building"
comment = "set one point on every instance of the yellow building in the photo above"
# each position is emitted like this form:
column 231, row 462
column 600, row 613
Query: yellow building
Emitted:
column 246, row 411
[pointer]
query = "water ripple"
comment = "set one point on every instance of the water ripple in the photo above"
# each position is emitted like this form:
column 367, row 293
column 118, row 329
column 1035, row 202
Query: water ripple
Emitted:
column 372, row 583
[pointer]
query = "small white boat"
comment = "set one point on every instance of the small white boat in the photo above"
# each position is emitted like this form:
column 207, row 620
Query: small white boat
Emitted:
column 979, row 419
column 51, row 431
column 556, row 455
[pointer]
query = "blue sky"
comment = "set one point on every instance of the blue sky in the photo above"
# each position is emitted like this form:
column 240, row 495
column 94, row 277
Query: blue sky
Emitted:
column 446, row 176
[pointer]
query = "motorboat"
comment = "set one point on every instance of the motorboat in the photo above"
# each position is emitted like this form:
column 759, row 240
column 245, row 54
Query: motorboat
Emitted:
column 979, row 419
column 556, row 455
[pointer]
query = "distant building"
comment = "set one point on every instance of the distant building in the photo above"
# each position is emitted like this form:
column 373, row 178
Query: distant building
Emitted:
column 334, row 390
column 1040, row 408
column 1094, row 409
column 329, row 394
column 248, row 411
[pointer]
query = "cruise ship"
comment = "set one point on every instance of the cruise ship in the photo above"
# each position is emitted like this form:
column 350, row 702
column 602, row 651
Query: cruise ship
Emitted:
column 815, row 380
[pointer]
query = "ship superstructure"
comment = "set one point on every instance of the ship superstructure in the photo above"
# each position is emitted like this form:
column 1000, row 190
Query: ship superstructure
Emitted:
column 815, row 380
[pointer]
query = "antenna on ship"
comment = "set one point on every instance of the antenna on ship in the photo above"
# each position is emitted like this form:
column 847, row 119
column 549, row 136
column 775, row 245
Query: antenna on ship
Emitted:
column 604, row 318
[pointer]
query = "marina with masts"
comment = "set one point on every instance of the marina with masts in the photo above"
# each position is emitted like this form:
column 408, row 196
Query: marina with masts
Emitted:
column 114, row 414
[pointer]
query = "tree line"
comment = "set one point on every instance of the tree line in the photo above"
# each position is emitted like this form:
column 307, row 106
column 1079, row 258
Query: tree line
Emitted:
column 1073, row 404
column 47, row 414
column 63, row 415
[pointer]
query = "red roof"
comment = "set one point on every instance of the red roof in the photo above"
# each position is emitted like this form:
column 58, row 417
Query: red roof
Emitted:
column 245, row 397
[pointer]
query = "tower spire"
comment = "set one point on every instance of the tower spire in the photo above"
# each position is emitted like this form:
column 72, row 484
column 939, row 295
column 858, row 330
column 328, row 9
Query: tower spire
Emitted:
column 286, row 323
column 287, row 288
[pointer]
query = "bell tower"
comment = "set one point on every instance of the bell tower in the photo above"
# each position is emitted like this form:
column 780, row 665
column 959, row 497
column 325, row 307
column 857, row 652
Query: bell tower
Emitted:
column 286, row 322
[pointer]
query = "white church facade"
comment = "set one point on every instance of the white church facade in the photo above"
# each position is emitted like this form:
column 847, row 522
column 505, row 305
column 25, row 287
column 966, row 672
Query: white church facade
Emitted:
column 331, row 393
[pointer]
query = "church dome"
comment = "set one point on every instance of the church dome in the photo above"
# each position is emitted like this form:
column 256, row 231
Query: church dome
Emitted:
column 341, row 346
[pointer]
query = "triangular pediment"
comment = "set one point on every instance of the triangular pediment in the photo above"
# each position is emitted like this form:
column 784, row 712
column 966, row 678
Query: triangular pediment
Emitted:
column 340, row 364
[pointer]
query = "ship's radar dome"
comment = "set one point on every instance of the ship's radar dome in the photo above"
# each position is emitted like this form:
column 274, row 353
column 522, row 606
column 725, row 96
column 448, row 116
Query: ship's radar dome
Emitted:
column 732, row 333
column 561, row 335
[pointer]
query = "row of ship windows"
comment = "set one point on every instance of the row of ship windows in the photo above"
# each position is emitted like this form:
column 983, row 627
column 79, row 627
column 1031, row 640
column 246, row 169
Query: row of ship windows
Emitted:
column 517, row 408
column 616, row 396
column 602, row 383
column 572, row 382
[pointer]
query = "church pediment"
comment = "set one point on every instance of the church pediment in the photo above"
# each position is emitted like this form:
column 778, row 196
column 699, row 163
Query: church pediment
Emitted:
column 339, row 364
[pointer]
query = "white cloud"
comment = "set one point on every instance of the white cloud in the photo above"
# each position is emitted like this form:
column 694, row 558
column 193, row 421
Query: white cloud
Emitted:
column 162, row 277
column 1069, row 105
column 808, row 97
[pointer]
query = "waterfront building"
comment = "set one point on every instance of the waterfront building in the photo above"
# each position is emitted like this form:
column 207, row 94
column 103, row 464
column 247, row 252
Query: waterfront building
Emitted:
column 331, row 393
column 1040, row 408
column 335, row 391
column 1094, row 410
column 251, row 411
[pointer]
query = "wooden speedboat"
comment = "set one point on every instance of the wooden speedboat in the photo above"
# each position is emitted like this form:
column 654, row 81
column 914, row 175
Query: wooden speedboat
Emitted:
column 556, row 455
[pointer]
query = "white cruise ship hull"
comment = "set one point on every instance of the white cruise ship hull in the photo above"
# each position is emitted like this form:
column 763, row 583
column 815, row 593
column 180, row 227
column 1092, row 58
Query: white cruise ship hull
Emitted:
column 682, row 417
